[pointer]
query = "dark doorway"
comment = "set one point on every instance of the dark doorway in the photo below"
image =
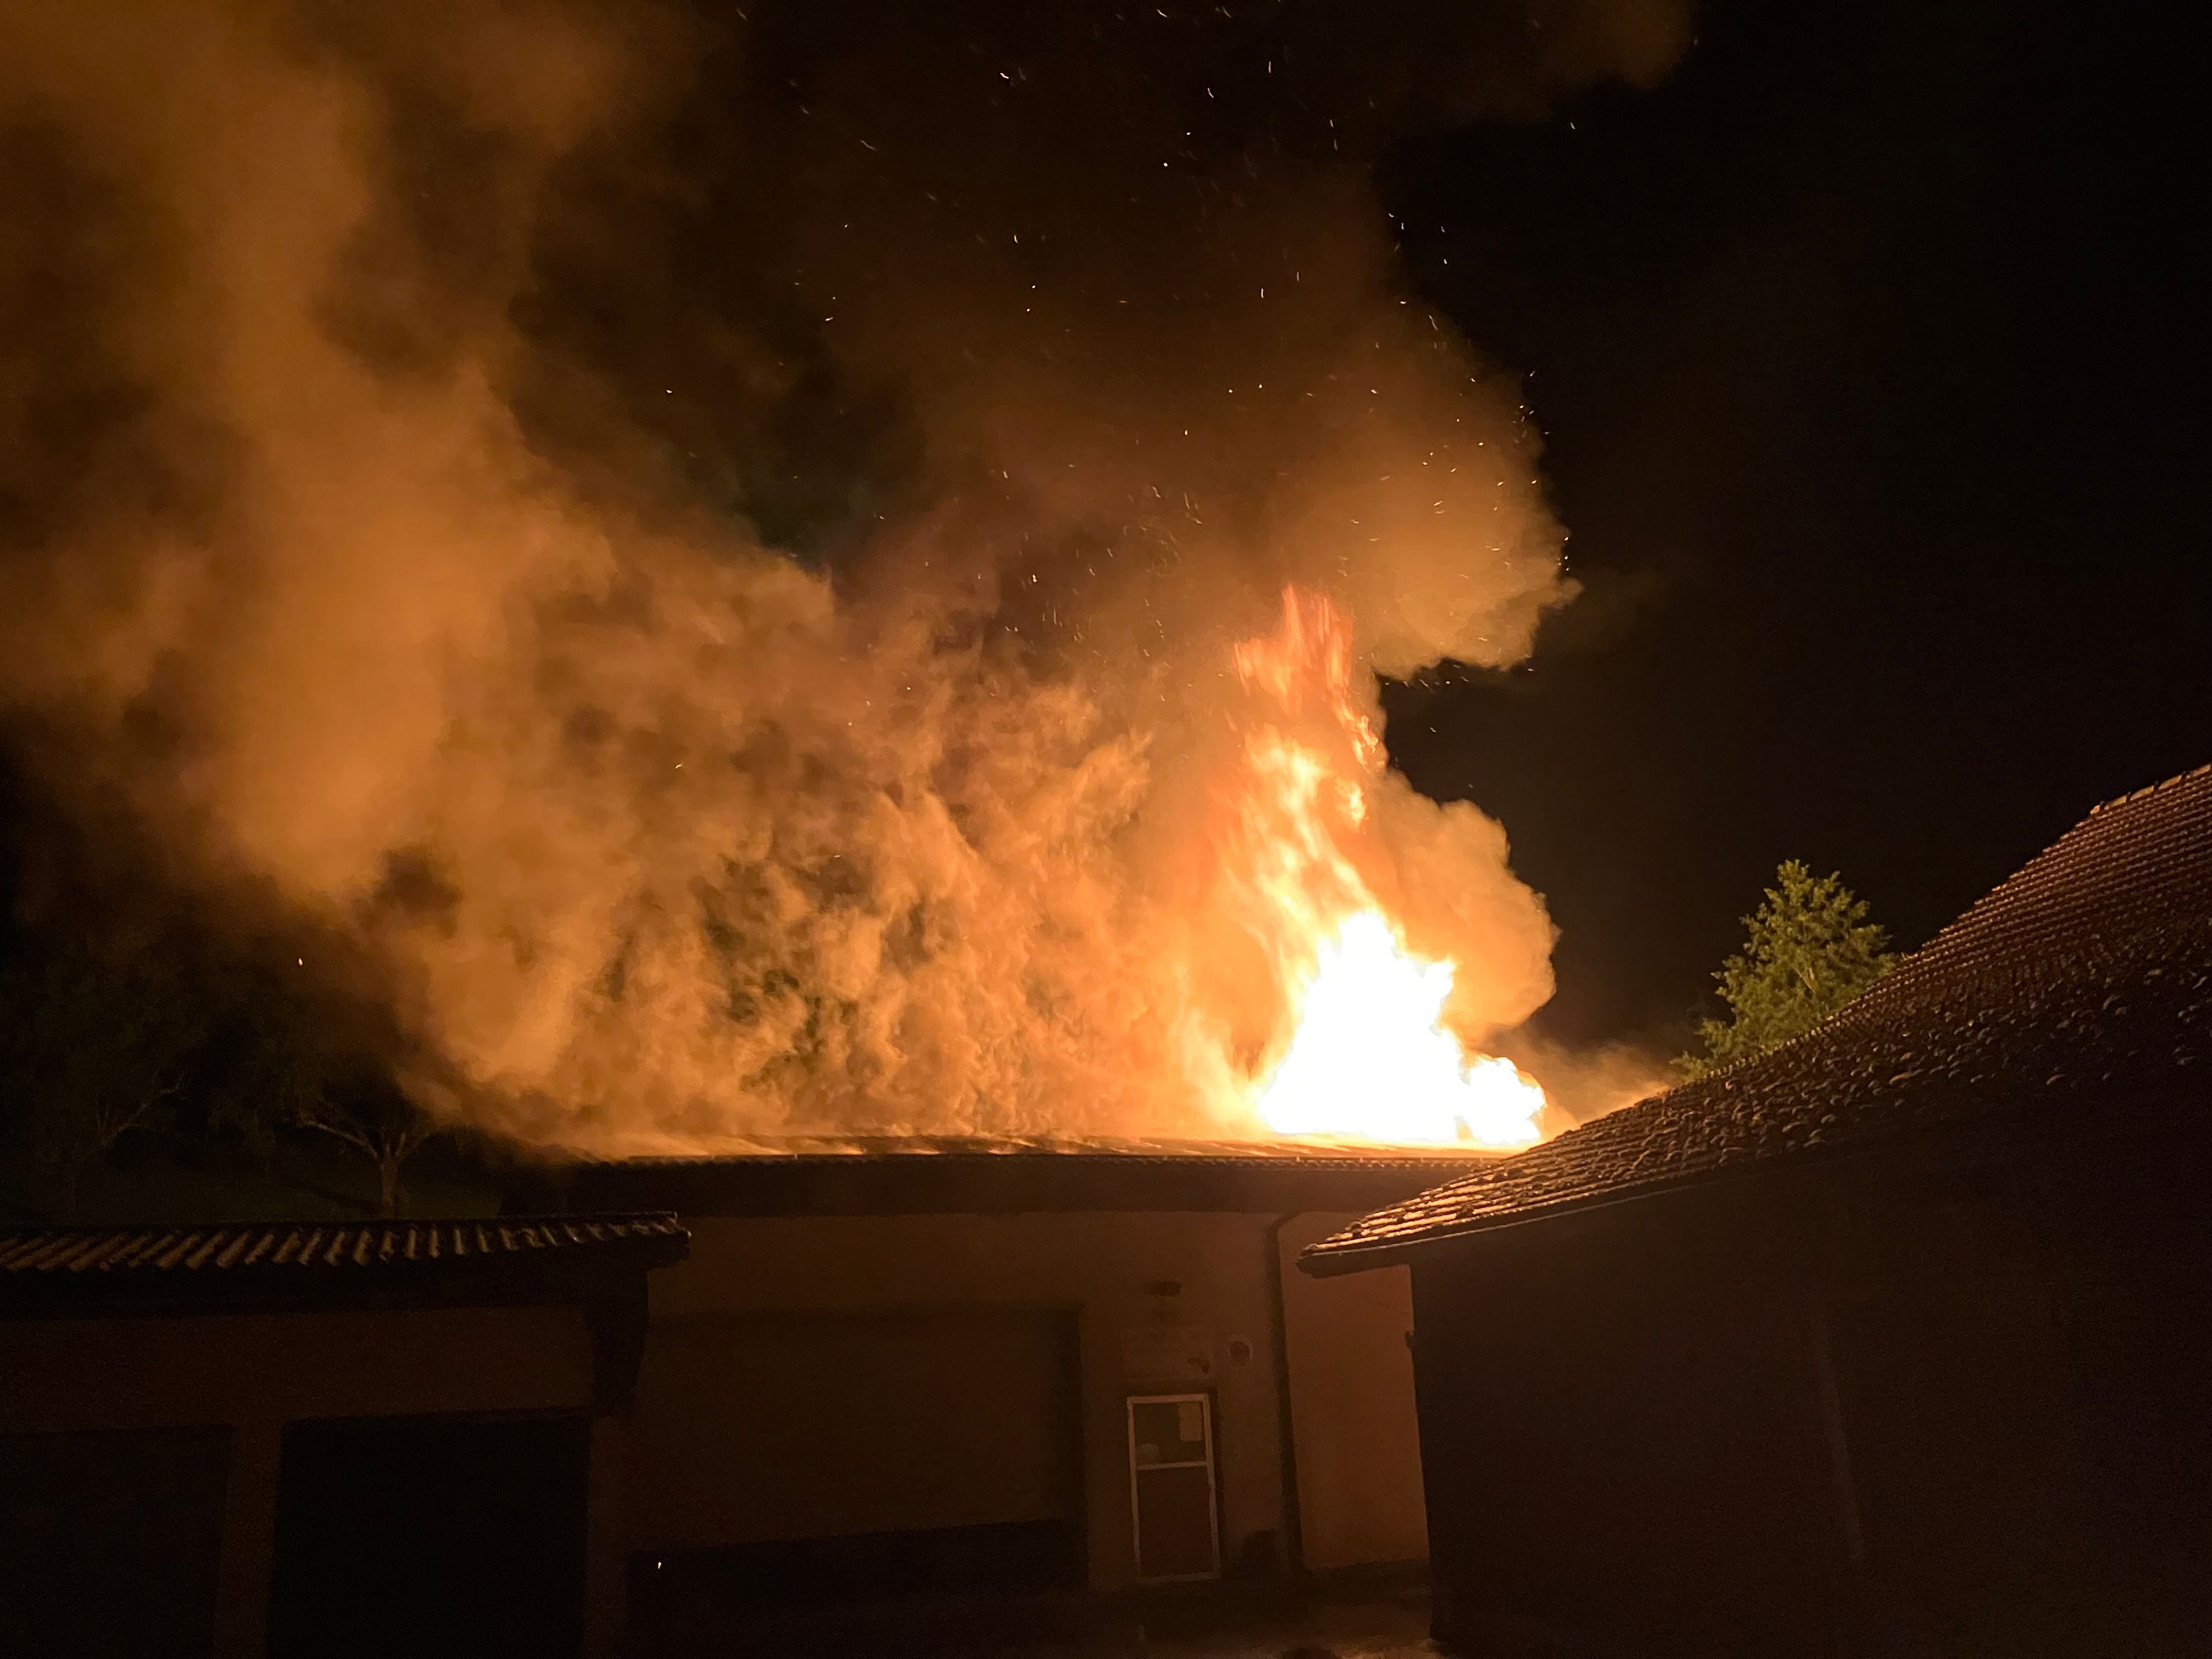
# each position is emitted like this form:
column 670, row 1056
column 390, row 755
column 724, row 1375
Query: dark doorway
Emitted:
column 110, row 1542
column 440, row 1538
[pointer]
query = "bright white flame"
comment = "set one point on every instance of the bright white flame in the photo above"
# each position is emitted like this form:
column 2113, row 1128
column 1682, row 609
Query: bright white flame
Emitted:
column 1371, row 1056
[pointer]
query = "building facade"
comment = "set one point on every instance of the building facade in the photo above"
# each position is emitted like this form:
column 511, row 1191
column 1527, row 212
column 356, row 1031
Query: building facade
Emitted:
column 943, row 1372
column 326, row 1441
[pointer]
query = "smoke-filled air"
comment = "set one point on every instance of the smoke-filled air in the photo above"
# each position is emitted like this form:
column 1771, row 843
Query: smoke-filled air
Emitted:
column 802, row 569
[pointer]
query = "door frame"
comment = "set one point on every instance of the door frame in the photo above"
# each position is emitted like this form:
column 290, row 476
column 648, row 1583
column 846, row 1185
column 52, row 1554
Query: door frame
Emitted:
column 1211, row 1465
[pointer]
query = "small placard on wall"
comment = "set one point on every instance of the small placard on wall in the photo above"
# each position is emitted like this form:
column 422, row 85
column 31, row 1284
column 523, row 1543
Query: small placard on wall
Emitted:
column 1167, row 1353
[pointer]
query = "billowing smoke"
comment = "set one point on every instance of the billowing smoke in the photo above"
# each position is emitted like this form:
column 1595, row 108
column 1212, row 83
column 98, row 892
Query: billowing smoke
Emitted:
column 705, row 546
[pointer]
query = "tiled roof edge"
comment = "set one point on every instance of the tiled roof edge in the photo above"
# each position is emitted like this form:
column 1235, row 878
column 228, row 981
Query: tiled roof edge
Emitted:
column 1962, row 960
column 1349, row 1252
column 285, row 1248
column 2150, row 789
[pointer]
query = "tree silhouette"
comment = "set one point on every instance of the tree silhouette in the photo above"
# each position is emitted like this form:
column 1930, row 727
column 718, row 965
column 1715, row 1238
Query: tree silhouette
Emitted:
column 94, row 1044
column 298, row 1057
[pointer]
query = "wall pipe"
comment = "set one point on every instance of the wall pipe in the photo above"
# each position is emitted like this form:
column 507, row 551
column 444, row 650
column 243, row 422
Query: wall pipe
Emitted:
column 1294, row 1543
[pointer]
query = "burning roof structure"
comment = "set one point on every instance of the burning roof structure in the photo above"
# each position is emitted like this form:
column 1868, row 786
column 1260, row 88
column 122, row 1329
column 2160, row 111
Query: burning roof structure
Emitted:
column 979, row 1176
column 2080, row 988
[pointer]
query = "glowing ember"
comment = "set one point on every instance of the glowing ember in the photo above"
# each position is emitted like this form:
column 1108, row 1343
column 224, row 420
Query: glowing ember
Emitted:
column 1369, row 1055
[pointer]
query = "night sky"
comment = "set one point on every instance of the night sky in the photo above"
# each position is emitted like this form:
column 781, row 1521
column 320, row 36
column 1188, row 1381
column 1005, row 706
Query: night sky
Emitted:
column 1869, row 351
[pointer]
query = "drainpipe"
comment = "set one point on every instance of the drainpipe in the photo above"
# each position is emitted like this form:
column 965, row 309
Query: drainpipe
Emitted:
column 1294, row 1543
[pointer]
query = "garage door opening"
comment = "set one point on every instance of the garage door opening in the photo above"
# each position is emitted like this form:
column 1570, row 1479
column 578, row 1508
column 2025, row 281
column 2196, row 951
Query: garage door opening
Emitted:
column 839, row 1460
column 434, row 1537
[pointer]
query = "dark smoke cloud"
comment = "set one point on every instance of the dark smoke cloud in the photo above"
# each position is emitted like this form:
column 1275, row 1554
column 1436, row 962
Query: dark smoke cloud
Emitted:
column 706, row 543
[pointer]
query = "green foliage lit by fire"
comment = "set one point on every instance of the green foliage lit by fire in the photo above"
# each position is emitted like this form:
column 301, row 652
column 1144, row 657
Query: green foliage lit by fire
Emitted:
column 1809, row 950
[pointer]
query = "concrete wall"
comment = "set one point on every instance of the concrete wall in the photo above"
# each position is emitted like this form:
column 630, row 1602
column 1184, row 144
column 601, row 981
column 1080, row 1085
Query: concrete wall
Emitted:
column 1105, row 1274
column 1351, row 1399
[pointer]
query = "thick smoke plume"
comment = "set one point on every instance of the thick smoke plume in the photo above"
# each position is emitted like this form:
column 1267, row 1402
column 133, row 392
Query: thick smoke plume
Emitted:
column 706, row 546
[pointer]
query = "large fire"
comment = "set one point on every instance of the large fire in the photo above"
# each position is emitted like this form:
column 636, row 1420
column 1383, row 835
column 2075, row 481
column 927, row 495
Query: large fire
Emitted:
column 1369, row 1056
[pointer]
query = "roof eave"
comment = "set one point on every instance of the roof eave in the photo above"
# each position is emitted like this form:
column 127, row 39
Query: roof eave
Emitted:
column 1321, row 1260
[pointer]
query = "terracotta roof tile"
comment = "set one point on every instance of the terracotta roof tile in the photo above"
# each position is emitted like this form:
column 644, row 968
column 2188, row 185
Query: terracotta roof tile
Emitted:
column 2086, row 975
column 302, row 1250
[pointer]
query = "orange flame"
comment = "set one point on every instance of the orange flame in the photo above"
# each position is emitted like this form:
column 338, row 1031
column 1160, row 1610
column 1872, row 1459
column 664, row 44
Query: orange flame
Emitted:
column 1368, row 1056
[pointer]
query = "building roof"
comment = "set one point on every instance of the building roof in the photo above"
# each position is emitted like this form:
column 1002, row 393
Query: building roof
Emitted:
column 2083, row 983
column 938, row 1175
column 507, row 1258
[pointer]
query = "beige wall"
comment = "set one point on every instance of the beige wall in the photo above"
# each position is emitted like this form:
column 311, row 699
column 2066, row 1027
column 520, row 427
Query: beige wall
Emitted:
column 1351, row 1399
column 1096, row 1269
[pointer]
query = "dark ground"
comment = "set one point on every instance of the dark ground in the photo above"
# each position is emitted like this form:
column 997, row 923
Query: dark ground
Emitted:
column 1370, row 1630
column 1382, row 1615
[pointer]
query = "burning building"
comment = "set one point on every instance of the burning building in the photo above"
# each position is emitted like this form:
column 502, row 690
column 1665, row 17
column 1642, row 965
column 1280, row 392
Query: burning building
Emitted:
column 1023, row 1375
column 704, row 580
column 1892, row 1339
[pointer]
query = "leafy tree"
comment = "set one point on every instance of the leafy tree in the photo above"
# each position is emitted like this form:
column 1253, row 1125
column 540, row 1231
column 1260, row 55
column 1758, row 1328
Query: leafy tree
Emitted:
column 1810, row 950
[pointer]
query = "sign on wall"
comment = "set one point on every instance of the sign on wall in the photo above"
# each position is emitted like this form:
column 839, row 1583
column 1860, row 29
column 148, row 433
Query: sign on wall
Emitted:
column 1167, row 1353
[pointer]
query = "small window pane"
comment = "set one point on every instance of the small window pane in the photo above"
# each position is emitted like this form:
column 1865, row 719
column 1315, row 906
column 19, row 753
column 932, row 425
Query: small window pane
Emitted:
column 1169, row 1431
